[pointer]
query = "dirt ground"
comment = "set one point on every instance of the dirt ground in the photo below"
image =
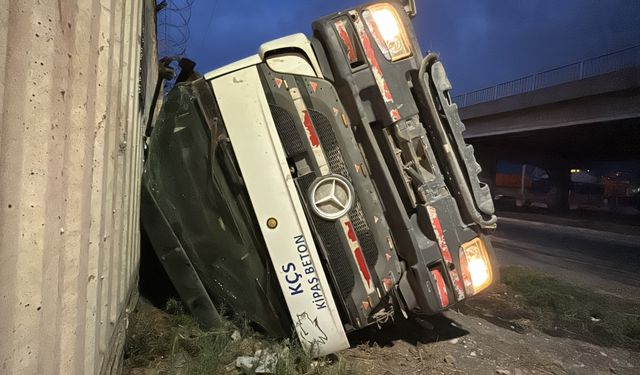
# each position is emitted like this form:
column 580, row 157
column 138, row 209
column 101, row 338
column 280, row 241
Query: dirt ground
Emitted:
column 461, row 343
column 518, row 326
column 527, row 323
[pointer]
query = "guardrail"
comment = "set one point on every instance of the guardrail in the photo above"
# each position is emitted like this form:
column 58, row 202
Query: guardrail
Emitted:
column 625, row 58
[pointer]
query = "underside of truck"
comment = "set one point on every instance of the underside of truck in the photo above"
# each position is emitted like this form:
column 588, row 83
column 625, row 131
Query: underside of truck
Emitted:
column 412, row 135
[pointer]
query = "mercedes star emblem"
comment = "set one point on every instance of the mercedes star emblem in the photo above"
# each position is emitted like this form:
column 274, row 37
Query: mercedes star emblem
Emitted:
column 331, row 197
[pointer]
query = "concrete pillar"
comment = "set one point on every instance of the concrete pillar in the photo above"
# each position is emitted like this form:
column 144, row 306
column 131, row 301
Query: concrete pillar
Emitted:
column 560, row 179
column 488, row 161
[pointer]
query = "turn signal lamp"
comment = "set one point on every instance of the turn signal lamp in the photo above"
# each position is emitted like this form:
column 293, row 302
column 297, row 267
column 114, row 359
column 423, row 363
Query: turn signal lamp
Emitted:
column 476, row 267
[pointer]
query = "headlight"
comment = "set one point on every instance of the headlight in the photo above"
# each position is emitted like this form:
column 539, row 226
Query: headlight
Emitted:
column 476, row 267
column 387, row 30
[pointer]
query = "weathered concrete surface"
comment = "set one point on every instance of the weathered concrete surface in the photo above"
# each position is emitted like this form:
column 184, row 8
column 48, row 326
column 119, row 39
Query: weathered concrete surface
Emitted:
column 70, row 162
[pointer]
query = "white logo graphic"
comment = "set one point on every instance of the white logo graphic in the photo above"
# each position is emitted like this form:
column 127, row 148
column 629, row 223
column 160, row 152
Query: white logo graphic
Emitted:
column 310, row 331
column 331, row 197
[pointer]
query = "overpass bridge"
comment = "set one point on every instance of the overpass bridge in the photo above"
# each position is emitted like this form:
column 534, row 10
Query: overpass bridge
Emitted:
column 559, row 118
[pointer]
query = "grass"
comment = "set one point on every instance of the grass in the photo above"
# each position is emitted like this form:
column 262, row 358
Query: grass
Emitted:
column 170, row 342
column 563, row 309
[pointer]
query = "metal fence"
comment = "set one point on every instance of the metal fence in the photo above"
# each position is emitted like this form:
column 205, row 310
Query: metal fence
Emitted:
column 626, row 58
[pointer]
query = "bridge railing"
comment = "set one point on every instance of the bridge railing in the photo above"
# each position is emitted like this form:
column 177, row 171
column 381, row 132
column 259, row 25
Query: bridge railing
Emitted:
column 626, row 58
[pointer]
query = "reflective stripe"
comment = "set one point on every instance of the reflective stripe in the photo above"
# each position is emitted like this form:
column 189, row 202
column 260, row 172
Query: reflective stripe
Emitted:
column 346, row 41
column 444, row 250
column 441, row 287
column 356, row 252
column 312, row 136
column 375, row 67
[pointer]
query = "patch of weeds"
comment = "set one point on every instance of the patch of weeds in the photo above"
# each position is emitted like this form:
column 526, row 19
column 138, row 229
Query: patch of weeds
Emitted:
column 169, row 341
column 148, row 339
column 631, row 327
column 563, row 309
column 294, row 360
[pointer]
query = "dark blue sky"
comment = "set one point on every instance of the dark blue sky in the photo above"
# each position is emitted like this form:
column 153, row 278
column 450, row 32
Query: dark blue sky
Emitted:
column 482, row 42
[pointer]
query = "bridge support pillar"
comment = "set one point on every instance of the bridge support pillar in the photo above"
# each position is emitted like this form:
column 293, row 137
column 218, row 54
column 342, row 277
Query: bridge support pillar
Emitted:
column 489, row 162
column 560, row 179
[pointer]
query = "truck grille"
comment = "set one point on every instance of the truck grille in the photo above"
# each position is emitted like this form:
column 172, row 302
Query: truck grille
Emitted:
column 337, row 164
column 327, row 232
column 286, row 126
column 329, row 236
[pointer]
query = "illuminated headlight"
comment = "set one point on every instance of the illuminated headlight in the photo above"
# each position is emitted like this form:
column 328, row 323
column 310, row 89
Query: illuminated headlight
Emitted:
column 476, row 267
column 387, row 30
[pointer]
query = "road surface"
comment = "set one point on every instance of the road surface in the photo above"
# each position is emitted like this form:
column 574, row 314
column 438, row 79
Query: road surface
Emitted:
column 598, row 260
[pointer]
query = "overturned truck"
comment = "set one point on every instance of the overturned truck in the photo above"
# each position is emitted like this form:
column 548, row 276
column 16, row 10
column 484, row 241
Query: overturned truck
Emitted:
column 321, row 185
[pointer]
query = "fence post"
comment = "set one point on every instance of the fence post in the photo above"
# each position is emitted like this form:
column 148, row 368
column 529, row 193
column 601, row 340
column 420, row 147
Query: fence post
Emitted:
column 581, row 75
column 533, row 81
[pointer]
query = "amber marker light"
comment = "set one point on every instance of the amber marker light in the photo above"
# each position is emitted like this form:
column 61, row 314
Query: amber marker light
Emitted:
column 476, row 267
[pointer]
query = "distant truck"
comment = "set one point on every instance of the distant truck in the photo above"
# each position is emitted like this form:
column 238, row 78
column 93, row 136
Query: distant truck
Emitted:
column 321, row 185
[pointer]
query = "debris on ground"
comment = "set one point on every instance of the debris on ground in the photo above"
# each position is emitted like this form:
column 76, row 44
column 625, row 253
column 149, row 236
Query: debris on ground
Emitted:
column 168, row 341
column 235, row 336
column 262, row 362
column 450, row 359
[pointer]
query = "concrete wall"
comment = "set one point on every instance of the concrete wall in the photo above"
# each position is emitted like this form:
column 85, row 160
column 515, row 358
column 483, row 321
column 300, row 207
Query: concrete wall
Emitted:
column 70, row 160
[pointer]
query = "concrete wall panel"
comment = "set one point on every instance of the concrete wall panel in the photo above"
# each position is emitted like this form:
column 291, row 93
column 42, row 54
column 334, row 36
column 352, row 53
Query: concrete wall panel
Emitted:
column 71, row 123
